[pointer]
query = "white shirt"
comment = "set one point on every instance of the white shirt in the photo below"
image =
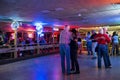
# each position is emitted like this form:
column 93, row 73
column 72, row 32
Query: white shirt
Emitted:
column 115, row 39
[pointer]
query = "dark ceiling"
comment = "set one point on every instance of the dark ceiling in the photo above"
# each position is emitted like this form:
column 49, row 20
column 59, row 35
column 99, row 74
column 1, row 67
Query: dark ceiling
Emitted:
column 60, row 12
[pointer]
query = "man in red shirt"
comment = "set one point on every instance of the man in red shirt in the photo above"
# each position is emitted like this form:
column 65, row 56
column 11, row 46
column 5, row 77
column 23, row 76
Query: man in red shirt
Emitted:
column 103, row 40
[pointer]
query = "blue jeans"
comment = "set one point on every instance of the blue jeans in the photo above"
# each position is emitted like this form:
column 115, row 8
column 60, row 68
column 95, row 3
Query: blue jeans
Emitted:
column 115, row 48
column 94, row 45
column 103, row 51
column 89, row 47
column 65, row 52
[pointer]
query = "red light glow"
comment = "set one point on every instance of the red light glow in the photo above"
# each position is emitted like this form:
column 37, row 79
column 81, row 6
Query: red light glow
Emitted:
column 12, row 36
column 30, row 35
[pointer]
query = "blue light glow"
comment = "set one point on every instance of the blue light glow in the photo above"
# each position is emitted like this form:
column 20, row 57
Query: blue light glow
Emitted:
column 39, row 28
column 41, row 35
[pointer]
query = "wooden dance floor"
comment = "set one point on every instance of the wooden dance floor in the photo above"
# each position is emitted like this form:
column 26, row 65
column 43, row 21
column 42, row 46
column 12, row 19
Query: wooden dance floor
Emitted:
column 48, row 68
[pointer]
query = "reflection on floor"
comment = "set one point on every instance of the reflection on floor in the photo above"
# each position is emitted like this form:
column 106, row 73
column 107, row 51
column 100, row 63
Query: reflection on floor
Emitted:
column 48, row 68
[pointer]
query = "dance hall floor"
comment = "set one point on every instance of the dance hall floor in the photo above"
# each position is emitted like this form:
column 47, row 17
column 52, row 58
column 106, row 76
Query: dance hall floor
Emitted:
column 48, row 68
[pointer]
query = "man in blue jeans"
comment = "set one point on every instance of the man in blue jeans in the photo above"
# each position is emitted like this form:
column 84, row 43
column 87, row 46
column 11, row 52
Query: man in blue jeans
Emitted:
column 103, row 40
column 65, row 36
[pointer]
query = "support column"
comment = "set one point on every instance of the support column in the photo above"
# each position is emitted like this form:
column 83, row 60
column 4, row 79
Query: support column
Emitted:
column 38, row 52
column 15, row 43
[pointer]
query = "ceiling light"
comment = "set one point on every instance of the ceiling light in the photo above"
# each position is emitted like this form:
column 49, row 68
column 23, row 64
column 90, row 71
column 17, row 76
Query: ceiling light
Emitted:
column 59, row 9
column 45, row 11
column 79, row 14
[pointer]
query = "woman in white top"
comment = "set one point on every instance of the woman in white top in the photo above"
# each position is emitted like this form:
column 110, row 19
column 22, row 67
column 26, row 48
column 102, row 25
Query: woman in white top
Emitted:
column 115, row 43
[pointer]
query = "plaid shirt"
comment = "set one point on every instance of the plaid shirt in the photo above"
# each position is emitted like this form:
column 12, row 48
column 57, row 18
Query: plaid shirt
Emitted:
column 65, row 37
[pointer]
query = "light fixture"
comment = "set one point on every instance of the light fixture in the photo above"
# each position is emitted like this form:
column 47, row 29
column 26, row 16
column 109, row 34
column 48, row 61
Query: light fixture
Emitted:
column 59, row 9
column 45, row 11
column 39, row 28
column 56, row 29
column 79, row 14
column 15, row 25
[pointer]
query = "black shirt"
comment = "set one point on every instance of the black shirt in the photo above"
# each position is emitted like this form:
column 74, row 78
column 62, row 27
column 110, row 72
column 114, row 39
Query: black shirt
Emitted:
column 73, row 45
column 92, row 37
